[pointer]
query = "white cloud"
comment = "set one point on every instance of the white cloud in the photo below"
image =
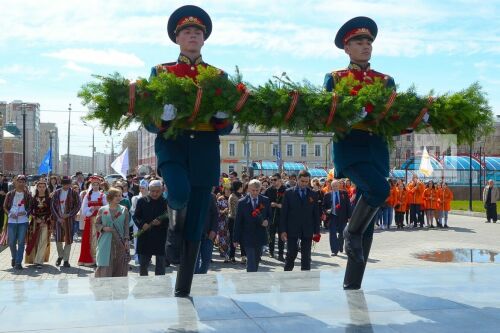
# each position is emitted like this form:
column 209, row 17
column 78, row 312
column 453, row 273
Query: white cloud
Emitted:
column 96, row 57
column 76, row 68
column 24, row 71
column 295, row 28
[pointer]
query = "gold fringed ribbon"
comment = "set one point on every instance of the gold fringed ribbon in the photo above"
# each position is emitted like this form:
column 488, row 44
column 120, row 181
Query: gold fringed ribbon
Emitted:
column 293, row 104
column 422, row 113
column 131, row 99
column 197, row 105
column 243, row 99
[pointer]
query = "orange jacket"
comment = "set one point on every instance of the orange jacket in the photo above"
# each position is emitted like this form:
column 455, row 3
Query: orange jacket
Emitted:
column 416, row 193
column 445, row 197
column 391, row 199
column 400, row 200
column 431, row 199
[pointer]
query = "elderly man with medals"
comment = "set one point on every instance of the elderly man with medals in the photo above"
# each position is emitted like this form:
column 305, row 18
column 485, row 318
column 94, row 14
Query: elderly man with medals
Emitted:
column 190, row 162
column 361, row 155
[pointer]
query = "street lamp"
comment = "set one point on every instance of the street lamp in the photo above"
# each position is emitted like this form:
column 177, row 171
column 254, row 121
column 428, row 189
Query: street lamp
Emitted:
column 93, row 144
column 67, row 155
column 23, row 108
column 280, row 157
column 51, row 137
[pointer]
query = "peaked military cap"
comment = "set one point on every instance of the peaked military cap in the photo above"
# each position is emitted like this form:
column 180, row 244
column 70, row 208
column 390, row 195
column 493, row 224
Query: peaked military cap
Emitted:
column 189, row 16
column 355, row 27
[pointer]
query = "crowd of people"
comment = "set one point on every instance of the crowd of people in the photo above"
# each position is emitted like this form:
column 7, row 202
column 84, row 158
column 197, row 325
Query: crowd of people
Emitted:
column 278, row 215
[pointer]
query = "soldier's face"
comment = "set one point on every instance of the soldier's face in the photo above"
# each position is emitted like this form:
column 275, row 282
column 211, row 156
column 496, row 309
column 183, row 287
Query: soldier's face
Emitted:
column 190, row 39
column 359, row 50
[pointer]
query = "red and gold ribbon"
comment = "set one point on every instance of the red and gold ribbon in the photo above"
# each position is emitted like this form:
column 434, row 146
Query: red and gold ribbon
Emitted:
column 293, row 104
column 197, row 105
column 333, row 109
column 422, row 113
column 243, row 99
column 131, row 99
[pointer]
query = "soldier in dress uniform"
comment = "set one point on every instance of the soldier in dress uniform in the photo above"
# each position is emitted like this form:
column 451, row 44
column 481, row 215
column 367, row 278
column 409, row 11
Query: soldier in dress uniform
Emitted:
column 361, row 155
column 190, row 162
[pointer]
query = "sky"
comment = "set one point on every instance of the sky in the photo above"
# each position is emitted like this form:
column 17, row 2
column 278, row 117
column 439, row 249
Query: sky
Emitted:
column 50, row 48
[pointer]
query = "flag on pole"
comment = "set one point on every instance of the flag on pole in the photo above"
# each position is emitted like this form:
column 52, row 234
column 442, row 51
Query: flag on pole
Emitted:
column 120, row 165
column 425, row 164
column 46, row 164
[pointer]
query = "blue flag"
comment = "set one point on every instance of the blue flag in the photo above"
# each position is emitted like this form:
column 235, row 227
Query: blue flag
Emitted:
column 46, row 165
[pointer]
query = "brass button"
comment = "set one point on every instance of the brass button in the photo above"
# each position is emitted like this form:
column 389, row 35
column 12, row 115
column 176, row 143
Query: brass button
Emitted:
column 192, row 136
column 192, row 68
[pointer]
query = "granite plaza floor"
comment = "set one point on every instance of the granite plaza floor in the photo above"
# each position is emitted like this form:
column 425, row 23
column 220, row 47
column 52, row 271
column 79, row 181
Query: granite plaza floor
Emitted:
column 401, row 293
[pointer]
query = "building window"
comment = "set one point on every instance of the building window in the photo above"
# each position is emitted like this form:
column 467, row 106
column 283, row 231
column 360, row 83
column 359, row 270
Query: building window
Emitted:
column 275, row 149
column 317, row 150
column 232, row 149
column 289, row 150
column 408, row 138
column 408, row 153
column 398, row 153
column 303, row 150
column 231, row 168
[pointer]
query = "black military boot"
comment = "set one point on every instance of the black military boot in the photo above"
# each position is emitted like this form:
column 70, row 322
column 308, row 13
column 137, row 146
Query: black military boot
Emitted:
column 189, row 253
column 355, row 271
column 353, row 233
column 176, row 219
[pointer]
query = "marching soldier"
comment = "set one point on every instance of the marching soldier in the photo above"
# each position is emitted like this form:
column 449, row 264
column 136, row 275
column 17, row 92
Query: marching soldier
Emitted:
column 361, row 155
column 190, row 162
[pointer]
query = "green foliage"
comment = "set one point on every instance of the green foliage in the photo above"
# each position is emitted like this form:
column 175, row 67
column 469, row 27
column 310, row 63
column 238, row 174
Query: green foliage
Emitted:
column 465, row 113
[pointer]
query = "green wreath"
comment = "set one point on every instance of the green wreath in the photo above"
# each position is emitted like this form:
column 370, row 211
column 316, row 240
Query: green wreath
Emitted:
column 281, row 103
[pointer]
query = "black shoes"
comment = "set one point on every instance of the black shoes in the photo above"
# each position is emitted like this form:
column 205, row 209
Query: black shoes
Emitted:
column 334, row 254
column 13, row 263
column 66, row 264
column 19, row 267
column 58, row 261
column 281, row 258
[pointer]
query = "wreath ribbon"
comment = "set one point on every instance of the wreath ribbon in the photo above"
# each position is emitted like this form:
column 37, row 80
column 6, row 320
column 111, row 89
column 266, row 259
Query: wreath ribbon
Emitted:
column 422, row 113
column 197, row 104
column 293, row 105
column 333, row 109
column 131, row 99
column 241, row 102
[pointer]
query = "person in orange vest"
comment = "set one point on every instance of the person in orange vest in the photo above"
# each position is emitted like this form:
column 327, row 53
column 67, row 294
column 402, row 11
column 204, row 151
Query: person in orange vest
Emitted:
column 415, row 195
column 430, row 203
column 445, row 197
column 400, row 203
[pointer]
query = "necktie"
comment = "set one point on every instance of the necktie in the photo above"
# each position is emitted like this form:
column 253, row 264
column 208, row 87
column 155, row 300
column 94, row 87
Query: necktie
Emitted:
column 302, row 194
column 254, row 203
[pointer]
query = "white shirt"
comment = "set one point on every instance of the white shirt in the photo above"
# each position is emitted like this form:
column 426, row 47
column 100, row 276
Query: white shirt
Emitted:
column 62, row 200
column 17, row 208
column 85, row 209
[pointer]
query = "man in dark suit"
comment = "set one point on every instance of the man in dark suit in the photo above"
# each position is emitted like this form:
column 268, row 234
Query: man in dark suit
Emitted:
column 250, row 227
column 337, row 208
column 299, row 220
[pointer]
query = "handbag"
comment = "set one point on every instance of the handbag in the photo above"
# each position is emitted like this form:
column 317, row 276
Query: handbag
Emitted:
column 4, row 232
column 127, row 256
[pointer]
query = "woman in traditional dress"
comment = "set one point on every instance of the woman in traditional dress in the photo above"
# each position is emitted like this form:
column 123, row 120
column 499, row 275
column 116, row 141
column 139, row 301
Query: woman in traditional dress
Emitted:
column 113, row 244
column 92, row 202
column 38, row 248
column 223, row 224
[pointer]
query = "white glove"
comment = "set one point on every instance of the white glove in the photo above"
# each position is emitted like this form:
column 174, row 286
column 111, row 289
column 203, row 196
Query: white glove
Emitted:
column 426, row 117
column 221, row 115
column 169, row 112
